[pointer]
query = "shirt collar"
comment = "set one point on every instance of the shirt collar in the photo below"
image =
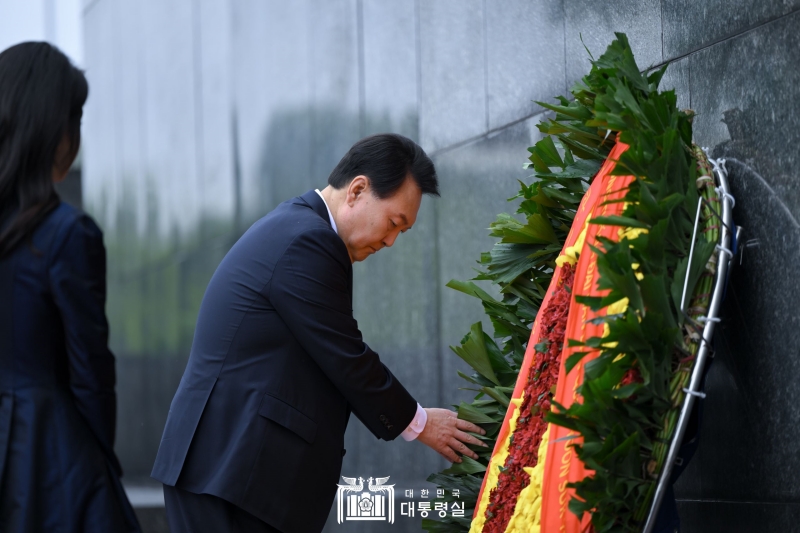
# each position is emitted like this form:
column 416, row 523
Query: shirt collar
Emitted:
column 330, row 216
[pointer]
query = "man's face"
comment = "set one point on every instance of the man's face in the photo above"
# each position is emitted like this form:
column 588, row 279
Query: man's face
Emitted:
column 368, row 223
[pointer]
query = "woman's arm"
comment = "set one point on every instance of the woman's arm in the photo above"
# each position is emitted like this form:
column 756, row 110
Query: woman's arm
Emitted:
column 78, row 282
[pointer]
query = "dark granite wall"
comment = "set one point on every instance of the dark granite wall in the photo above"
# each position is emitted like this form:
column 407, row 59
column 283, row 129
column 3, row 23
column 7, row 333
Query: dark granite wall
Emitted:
column 205, row 115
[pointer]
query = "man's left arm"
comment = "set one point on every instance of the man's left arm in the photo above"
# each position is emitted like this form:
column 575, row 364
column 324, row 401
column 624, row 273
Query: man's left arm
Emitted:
column 309, row 290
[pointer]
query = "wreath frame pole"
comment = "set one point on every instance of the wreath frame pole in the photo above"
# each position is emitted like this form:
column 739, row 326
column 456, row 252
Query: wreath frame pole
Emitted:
column 725, row 247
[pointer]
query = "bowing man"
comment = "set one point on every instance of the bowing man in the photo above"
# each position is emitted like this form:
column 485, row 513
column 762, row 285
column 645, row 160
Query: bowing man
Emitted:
column 278, row 362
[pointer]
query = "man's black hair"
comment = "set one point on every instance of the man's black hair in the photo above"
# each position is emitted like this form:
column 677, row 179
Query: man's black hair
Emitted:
column 387, row 159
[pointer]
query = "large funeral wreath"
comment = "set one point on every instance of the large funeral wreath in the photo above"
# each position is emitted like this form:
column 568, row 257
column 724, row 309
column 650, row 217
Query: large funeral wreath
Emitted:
column 616, row 177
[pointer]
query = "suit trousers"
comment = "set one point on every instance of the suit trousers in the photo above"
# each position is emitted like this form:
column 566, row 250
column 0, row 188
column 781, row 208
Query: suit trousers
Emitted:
column 203, row 513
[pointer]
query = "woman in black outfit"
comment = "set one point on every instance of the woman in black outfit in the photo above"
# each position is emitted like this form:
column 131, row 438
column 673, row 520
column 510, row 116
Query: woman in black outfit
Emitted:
column 58, row 471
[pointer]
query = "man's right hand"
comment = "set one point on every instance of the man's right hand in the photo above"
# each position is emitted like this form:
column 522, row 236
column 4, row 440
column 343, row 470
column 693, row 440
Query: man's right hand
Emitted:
column 447, row 434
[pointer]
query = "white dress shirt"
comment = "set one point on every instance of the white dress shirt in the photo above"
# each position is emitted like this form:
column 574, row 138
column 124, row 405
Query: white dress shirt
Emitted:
column 418, row 424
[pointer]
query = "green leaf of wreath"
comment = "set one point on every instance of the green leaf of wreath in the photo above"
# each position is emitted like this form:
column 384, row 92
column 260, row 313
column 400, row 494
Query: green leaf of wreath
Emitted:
column 467, row 465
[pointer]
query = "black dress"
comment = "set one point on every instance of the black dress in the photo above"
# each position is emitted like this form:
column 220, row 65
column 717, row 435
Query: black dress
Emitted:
column 58, row 471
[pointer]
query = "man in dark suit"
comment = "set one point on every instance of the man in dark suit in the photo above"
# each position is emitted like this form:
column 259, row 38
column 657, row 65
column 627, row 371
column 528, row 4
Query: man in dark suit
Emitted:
column 255, row 433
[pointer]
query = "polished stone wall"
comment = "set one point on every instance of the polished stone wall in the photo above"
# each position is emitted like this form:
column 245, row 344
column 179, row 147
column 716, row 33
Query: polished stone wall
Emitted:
column 204, row 115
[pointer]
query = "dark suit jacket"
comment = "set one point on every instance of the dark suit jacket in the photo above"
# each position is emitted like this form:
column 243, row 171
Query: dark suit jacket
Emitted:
column 58, row 471
column 277, row 363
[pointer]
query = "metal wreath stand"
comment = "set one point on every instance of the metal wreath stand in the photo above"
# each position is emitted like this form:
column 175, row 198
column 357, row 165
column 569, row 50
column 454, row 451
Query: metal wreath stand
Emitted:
column 729, row 235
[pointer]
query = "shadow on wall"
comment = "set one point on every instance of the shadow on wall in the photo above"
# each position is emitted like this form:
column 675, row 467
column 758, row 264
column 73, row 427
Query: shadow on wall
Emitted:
column 750, row 415
column 156, row 282
column 755, row 139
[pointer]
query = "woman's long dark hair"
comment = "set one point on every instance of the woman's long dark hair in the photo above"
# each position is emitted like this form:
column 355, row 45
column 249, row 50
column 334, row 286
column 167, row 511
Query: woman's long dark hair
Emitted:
column 41, row 101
